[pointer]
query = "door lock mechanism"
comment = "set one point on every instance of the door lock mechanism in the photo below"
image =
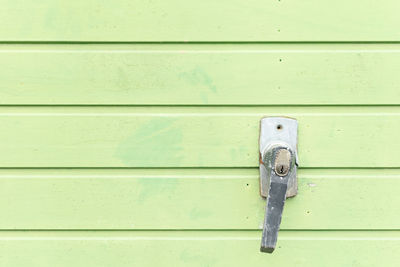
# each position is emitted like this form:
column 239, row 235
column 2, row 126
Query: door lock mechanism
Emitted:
column 278, row 173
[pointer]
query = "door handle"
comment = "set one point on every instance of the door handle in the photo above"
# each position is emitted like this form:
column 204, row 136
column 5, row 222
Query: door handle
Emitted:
column 278, row 173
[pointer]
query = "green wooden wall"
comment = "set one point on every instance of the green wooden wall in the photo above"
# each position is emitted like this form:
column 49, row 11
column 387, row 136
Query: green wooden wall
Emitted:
column 129, row 131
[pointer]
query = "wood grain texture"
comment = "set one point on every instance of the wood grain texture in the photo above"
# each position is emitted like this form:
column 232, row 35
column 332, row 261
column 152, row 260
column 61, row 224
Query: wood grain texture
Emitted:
column 193, row 199
column 192, row 136
column 200, row 74
column 101, row 249
column 205, row 21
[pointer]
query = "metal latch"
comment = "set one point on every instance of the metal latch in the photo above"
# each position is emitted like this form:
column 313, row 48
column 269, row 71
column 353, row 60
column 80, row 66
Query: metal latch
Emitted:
column 278, row 173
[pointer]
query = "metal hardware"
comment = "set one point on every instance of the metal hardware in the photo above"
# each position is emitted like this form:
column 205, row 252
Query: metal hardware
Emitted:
column 282, row 162
column 278, row 173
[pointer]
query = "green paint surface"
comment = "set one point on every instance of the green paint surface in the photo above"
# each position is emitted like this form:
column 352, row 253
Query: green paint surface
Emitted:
column 61, row 136
column 198, row 248
column 201, row 21
column 193, row 74
column 129, row 131
column 193, row 199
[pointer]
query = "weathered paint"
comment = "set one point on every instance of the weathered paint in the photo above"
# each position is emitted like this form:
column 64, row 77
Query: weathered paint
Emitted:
column 200, row 74
column 175, row 199
column 199, row 21
column 175, row 137
column 129, row 131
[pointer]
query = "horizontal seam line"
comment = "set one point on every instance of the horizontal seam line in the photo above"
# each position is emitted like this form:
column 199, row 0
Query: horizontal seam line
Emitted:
column 197, row 230
column 191, row 168
column 198, row 42
column 200, row 105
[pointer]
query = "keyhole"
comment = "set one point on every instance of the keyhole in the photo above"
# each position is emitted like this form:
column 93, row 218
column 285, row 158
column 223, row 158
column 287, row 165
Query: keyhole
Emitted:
column 282, row 162
column 281, row 170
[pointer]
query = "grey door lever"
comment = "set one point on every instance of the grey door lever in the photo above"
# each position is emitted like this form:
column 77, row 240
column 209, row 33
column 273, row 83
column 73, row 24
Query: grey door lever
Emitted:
column 278, row 173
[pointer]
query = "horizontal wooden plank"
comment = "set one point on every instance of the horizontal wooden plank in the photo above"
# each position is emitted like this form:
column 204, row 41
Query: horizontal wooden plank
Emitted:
column 177, row 20
column 200, row 74
column 193, row 199
column 98, row 249
column 192, row 136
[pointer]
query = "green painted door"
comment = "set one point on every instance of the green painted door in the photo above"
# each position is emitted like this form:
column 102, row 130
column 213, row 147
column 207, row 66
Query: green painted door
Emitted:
column 129, row 131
